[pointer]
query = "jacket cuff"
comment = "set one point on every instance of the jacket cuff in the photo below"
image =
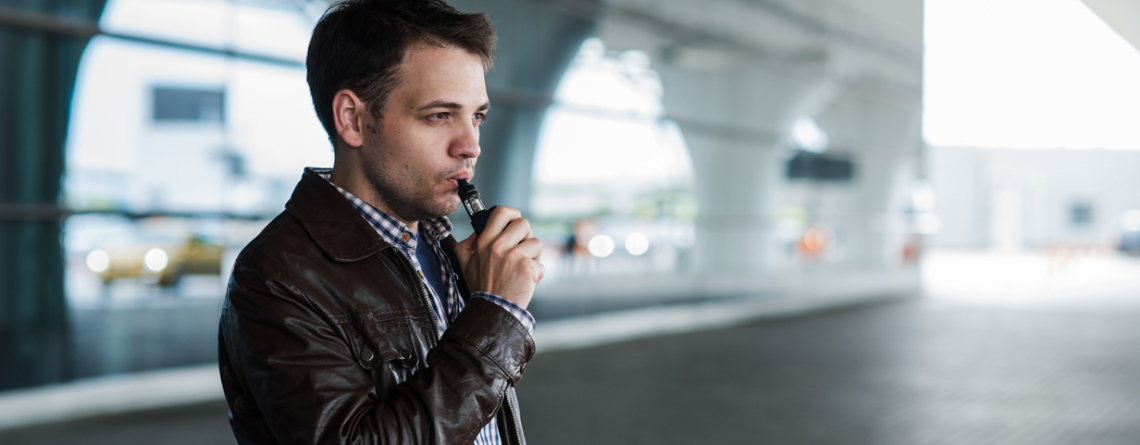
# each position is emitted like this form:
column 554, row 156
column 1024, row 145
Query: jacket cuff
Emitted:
column 521, row 314
column 496, row 333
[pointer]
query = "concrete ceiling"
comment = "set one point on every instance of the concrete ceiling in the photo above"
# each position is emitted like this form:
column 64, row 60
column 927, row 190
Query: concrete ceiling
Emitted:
column 1122, row 15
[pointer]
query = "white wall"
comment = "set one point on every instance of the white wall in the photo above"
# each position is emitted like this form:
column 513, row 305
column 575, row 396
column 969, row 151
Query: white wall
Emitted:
column 1021, row 199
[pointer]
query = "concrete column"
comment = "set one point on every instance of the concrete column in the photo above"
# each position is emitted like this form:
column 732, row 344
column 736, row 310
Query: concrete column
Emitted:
column 735, row 120
column 885, row 127
column 536, row 44
column 737, row 186
column 37, row 77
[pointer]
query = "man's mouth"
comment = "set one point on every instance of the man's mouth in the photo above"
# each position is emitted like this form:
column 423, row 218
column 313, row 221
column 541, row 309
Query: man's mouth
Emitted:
column 454, row 179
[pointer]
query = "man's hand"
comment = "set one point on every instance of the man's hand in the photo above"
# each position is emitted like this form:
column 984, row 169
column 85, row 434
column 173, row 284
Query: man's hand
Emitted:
column 504, row 259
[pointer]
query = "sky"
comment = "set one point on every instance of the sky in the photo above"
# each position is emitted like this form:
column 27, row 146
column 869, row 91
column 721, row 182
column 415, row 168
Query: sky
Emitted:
column 1028, row 74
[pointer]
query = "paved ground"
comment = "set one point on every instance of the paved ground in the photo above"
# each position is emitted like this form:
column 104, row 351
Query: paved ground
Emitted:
column 922, row 372
column 916, row 372
column 203, row 424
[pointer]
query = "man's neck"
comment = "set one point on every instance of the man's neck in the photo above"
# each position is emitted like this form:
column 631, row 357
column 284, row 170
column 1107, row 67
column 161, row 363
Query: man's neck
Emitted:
column 358, row 185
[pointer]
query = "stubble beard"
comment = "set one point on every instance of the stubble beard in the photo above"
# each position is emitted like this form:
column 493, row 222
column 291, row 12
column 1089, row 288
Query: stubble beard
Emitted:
column 408, row 198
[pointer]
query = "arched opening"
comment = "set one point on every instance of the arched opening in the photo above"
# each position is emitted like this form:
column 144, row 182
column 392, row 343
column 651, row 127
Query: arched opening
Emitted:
column 612, row 175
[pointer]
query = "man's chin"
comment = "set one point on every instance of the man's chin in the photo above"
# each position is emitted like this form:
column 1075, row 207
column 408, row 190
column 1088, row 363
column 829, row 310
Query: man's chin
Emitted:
column 451, row 207
column 444, row 207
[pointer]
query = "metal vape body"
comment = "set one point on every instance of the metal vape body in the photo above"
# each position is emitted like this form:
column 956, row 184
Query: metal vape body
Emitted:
column 473, row 203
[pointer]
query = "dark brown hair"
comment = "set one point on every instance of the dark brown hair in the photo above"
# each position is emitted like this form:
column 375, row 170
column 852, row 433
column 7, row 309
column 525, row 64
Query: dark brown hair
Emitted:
column 359, row 45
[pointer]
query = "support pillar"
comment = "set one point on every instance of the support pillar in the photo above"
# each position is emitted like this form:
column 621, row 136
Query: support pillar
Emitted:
column 38, row 64
column 536, row 44
column 737, row 142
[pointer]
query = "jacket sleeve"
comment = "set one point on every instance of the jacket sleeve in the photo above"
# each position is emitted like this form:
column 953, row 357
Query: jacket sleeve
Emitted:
column 294, row 377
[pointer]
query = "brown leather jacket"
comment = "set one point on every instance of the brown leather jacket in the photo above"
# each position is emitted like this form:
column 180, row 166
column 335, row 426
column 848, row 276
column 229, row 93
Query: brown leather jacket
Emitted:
column 321, row 321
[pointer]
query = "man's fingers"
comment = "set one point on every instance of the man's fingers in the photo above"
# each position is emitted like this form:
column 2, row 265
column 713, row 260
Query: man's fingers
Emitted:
column 516, row 232
column 507, row 253
column 498, row 220
column 530, row 248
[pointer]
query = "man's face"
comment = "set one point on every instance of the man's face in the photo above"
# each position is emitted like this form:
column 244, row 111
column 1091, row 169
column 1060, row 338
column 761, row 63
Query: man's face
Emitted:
column 428, row 136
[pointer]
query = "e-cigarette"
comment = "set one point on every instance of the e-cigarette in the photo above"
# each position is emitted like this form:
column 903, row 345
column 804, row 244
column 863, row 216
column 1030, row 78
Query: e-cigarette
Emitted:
column 474, row 205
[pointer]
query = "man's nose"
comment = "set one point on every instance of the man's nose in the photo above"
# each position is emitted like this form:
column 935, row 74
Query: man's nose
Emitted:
column 466, row 142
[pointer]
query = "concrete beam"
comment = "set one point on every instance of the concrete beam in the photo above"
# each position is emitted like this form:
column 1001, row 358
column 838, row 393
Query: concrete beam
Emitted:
column 1123, row 16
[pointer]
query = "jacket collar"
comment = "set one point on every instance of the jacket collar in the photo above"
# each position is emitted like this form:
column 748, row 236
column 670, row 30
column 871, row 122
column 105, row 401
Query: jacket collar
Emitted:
column 331, row 221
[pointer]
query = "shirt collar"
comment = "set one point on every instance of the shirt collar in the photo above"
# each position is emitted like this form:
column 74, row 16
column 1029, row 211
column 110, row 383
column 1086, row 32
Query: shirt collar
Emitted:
column 391, row 229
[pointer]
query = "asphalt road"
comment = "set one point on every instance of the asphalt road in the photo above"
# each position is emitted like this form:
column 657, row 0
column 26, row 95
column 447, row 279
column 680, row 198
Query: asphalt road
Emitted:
column 915, row 372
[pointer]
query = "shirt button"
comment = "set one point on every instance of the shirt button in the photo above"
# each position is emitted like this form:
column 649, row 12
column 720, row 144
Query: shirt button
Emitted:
column 405, row 237
column 366, row 355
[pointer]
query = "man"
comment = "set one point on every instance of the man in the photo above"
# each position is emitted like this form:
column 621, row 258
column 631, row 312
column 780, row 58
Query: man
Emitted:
column 347, row 319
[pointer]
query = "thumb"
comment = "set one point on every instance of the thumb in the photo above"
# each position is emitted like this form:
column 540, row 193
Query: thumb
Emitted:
column 464, row 250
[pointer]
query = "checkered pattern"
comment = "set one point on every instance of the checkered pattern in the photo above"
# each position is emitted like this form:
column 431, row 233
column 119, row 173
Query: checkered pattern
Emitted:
column 397, row 234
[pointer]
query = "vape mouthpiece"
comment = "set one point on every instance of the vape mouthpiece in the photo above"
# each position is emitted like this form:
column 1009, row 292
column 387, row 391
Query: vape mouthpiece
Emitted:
column 474, row 205
column 470, row 197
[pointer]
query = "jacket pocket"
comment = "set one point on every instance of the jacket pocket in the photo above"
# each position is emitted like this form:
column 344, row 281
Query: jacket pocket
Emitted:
column 384, row 347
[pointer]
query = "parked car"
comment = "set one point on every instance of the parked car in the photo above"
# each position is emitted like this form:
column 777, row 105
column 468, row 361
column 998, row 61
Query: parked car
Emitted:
column 162, row 262
column 1130, row 242
column 1130, row 232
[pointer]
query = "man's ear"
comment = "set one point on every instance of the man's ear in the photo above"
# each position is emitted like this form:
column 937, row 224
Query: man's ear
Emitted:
column 349, row 117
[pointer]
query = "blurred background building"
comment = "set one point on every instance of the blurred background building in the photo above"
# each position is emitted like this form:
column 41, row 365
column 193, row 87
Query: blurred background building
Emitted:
column 670, row 153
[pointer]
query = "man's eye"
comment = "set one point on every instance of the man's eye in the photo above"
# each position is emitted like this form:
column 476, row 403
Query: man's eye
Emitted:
column 438, row 116
column 480, row 118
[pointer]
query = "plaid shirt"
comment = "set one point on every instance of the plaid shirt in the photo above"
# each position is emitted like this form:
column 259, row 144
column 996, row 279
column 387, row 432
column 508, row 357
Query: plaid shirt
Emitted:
column 397, row 234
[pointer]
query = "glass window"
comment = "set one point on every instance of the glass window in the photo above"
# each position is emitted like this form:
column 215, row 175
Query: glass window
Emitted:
column 190, row 125
column 189, row 104
column 1081, row 214
column 613, row 182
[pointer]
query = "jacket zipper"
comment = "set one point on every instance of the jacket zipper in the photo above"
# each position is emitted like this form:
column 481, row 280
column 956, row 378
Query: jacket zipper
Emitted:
column 424, row 298
column 514, row 417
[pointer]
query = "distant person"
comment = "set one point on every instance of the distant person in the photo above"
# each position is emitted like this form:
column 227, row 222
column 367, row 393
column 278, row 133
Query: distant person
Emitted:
column 575, row 252
column 354, row 317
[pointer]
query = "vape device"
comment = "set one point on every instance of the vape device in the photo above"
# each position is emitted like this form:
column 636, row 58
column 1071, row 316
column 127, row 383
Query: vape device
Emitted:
column 474, row 205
